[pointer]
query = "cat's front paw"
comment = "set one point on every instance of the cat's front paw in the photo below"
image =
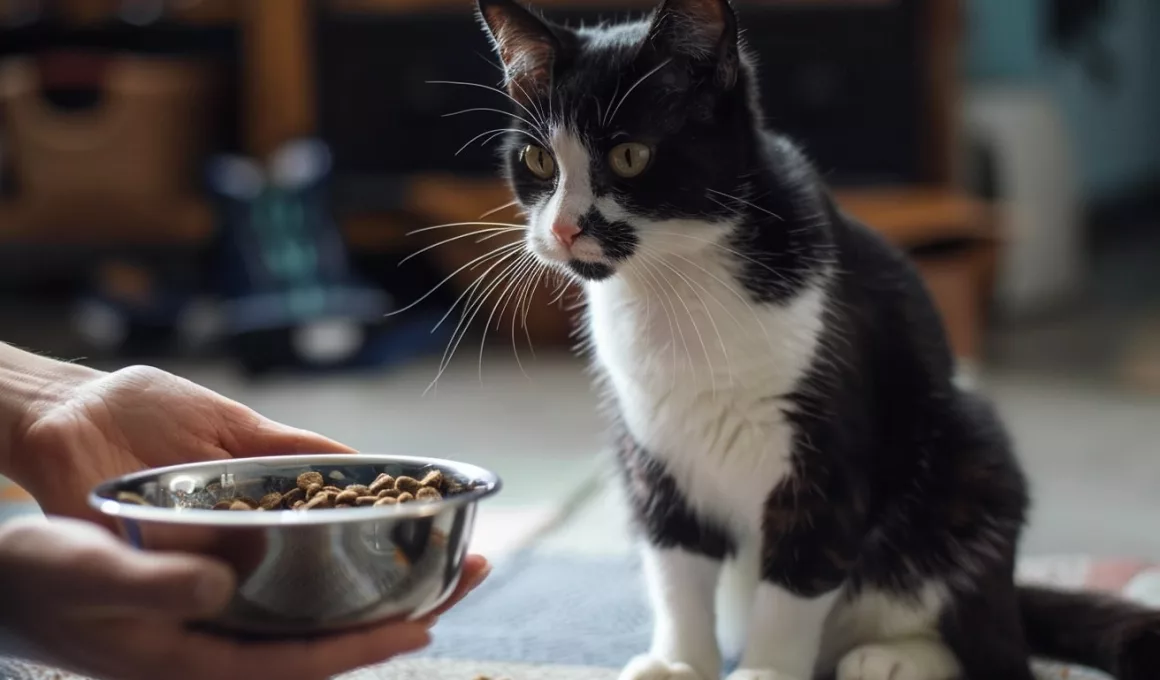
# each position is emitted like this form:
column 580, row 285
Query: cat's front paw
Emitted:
column 646, row 667
column 757, row 674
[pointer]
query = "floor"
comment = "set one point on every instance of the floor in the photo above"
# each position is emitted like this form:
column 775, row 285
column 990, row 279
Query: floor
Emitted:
column 1091, row 448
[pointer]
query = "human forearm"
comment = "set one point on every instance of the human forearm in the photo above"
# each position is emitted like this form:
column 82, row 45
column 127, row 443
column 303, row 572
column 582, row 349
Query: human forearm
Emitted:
column 29, row 385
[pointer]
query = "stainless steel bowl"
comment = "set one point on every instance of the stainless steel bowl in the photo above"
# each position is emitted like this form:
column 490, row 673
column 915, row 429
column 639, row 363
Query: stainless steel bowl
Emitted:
column 315, row 571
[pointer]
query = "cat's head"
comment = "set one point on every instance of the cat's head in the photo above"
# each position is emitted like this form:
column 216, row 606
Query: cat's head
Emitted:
column 627, row 133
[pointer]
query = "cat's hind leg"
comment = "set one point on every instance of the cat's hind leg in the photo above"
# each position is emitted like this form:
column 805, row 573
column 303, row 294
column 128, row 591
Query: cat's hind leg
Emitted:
column 884, row 634
column 916, row 659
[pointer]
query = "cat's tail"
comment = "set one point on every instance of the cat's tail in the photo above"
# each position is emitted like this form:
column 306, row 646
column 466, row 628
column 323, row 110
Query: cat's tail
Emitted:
column 1097, row 631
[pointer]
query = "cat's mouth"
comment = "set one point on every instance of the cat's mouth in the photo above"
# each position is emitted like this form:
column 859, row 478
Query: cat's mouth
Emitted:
column 591, row 271
column 586, row 257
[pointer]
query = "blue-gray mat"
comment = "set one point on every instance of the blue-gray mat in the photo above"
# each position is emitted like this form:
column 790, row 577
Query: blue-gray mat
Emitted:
column 550, row 610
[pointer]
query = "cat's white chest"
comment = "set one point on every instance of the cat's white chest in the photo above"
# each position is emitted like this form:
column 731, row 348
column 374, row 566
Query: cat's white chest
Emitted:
column 700, row 383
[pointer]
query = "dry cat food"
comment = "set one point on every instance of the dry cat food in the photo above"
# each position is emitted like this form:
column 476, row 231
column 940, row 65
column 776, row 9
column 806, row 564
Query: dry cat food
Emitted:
column 312, row 492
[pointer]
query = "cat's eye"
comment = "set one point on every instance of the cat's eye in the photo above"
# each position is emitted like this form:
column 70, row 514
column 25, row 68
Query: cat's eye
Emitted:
column 538, row 161
column 629, row 159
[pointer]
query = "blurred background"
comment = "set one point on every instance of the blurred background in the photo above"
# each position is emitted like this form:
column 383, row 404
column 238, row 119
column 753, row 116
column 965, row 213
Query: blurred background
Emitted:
column 231, row 189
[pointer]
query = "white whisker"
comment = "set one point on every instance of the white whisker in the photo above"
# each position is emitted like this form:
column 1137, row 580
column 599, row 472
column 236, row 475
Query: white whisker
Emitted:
column 640, row 80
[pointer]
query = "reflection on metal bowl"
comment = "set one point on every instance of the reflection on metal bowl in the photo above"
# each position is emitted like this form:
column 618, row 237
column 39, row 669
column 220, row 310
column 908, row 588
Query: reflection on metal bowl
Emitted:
column 303, row 573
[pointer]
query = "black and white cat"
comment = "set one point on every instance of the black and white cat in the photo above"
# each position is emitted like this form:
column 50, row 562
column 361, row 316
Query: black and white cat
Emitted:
column 813, row 488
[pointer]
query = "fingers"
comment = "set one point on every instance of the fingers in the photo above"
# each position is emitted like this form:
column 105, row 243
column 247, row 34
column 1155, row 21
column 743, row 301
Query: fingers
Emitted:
column 86, row 571
column 314, row 660
column 260, row 436
column 475, row 571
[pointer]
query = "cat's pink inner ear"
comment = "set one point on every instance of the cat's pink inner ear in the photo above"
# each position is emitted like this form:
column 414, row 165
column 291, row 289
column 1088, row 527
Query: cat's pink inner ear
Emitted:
column 526, row 55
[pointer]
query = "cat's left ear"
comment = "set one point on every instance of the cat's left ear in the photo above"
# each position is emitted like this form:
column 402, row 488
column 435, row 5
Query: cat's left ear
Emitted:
column 701, row 32
column 526, row 45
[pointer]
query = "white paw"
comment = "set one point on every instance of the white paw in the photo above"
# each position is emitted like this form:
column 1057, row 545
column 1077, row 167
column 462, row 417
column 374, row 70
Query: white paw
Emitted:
column 754, row 674
column 645, row 667
column 917, row 661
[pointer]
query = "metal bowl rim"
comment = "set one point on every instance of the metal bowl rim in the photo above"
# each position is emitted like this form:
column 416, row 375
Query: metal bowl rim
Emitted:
column 99, row 500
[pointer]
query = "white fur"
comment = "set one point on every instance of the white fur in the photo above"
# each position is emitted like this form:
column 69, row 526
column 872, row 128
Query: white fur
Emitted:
column 915, row 659
column 875, row 616
column 697, row 372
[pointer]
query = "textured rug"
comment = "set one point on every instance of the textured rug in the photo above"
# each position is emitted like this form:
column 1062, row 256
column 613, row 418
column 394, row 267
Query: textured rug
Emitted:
column 563, row 618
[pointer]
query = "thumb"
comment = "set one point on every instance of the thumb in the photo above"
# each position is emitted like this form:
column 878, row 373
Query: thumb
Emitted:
column 90, row 572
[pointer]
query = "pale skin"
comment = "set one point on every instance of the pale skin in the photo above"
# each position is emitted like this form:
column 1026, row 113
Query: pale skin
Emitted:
column 87, row 601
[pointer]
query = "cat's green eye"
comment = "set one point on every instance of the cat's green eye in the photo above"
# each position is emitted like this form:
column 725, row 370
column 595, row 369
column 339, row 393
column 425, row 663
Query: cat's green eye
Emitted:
column 538, row 161
column 629, row 159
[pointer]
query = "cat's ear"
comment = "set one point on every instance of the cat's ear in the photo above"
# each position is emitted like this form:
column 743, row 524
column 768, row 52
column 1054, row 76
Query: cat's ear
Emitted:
column 526, row 45
column 701, row 32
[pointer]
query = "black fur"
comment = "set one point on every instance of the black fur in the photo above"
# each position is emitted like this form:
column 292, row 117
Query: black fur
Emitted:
column 899, row 477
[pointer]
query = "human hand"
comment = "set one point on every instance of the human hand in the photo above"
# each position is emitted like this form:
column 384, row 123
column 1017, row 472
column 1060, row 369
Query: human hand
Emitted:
column 103, row 609
column 103, row 425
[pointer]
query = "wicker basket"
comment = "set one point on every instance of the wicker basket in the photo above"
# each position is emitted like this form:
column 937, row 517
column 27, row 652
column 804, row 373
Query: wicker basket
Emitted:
column 107, row 167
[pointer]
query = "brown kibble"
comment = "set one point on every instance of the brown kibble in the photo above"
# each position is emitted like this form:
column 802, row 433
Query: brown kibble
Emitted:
column 363, row 501
column 332, row 488
column 428, row 494
column 309, row 479
column 433, row 479
column 297, row 504
column 320, row 500
column 270, row 501
column 240, row 505
column 405, row 497
column 343, row 505
column 383, row 481
column 248, row 501
column 360, row 489
column 313, row 490
column 386, row 500
column 388, row 493
column 131, row 498
column 408, row 484
column 222, row 505
column 293, row 496
column 348, row 497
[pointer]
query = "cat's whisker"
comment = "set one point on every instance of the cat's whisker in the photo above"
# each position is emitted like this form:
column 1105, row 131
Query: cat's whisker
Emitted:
column 512, row 275
column 502, row 253
column 542, row 126
column 464, row 224
column 526, row 277
column 489, row 88
column 745, row 202
column 495, row 133
column 696, row 326
column 693, row 286
column 496, row 209
column 489, row 233
column 486, row 109
column 659, row 277
column 530, row 294
column 747, row 303
column 635, row 85
column 724, row 248
column 493, row 253
column 470, row 311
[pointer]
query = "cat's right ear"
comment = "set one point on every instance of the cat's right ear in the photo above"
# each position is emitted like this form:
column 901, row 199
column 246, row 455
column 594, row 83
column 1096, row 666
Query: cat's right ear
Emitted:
column 525, row 44
column 700, row 32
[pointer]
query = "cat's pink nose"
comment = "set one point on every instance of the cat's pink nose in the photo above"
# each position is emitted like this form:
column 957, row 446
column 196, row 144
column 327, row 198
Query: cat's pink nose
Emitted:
column 565, row 233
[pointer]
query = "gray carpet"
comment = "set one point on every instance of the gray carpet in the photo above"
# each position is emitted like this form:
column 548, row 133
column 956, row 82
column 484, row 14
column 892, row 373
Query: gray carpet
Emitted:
column 550, row 610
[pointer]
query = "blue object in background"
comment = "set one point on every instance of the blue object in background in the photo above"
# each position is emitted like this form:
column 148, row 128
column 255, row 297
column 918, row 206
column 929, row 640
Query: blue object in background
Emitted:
column 291, row 297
